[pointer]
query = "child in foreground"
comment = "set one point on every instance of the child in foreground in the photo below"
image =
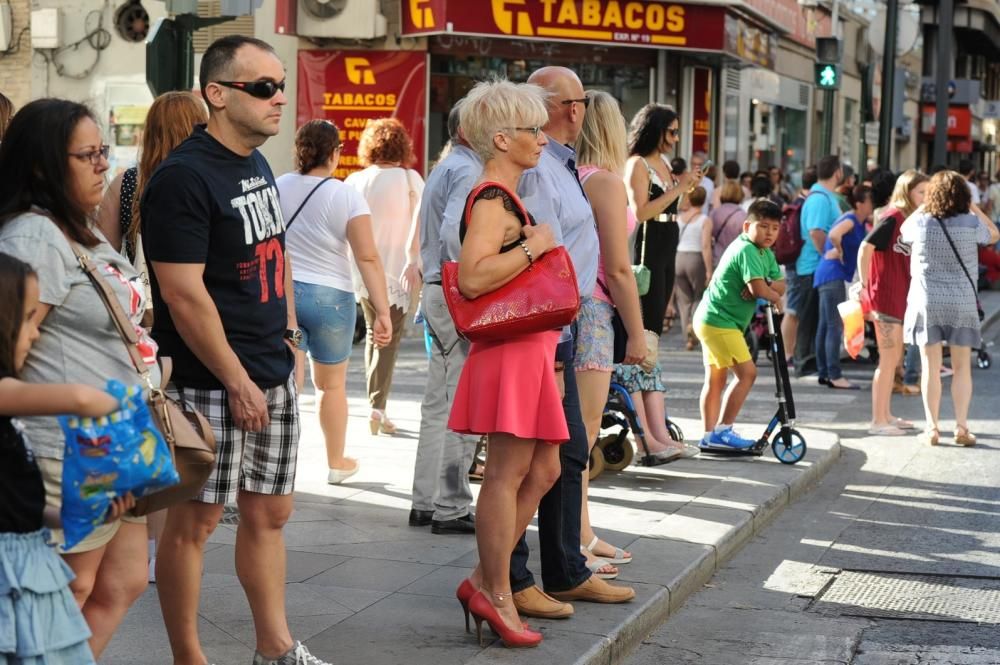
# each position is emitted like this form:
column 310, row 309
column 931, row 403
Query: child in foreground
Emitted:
column 747, row 271
column 40, row 622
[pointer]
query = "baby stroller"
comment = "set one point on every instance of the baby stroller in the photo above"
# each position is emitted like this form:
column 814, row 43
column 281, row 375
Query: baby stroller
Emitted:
column 614, row 451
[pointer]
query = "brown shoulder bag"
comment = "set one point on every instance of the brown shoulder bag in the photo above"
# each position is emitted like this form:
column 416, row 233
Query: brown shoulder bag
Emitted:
column 187, row 433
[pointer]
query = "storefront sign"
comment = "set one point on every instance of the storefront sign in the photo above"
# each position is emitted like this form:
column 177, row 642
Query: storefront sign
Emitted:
column 750, row 42
column 959, row 120
column 625, row 22
column 702, row 111
column 960, row 91
column 349, row 88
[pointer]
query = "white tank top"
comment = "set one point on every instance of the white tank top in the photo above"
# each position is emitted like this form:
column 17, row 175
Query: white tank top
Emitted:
column 691, row 234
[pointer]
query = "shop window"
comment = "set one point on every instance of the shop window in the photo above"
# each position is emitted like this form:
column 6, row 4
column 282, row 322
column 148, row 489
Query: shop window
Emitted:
column 458, row 63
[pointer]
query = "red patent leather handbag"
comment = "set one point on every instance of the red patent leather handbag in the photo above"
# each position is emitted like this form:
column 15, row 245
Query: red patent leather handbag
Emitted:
column 545, row 296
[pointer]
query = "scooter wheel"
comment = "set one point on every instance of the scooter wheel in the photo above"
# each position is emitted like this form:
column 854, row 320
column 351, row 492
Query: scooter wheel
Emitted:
column 675, row 431
column 617, row 452
column 984, row 361
column 788, row 446
column 596, row 466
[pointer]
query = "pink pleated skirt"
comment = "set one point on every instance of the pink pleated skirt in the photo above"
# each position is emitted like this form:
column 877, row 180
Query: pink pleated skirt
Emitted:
column 510, row 387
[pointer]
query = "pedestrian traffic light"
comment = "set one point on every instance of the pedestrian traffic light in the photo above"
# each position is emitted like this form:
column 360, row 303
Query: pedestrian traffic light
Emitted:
column 828, row 56
column 827, row 76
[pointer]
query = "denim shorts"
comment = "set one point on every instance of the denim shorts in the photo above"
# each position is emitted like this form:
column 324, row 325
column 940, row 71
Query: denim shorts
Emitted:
column 326, row 317
column 792, row 292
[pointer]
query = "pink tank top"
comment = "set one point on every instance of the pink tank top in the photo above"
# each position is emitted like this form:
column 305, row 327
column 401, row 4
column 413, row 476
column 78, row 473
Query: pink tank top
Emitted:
column 630, row 220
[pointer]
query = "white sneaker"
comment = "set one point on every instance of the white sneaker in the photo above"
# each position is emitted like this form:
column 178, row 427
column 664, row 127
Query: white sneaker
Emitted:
column 298, row 655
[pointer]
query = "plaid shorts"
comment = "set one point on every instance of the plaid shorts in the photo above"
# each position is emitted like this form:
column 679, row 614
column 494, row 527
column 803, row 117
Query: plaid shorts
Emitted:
column 259, row 462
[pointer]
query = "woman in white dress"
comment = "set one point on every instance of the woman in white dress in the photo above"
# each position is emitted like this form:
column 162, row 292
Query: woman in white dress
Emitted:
column 393, row 194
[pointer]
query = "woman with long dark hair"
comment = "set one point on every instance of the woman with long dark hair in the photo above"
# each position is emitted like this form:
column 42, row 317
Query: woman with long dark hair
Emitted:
column 653, row 194
column 53, row 164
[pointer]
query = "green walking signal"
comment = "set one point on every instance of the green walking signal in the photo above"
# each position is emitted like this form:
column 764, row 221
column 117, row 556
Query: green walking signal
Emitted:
column 827, row 76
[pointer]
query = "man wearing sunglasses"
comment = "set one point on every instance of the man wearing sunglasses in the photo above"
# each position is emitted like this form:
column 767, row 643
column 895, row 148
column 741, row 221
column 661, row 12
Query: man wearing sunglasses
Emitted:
column 213, row 232
column 553, row 194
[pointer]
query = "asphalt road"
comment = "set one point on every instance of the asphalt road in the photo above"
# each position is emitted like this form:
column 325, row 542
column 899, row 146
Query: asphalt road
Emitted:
column 894, row 559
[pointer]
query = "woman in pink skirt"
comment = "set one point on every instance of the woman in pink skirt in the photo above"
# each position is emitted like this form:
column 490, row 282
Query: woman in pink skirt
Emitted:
column 508, row 389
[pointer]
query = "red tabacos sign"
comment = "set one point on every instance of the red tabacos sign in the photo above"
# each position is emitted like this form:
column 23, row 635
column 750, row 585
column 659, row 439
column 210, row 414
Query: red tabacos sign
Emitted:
column 349, row 88
column 623, row 22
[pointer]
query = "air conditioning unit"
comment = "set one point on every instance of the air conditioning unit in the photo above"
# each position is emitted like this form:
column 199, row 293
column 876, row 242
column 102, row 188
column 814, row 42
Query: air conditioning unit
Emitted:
column 345, row 19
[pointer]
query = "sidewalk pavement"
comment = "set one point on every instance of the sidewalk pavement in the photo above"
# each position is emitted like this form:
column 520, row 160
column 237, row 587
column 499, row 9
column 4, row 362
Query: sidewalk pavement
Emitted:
column 364, row 588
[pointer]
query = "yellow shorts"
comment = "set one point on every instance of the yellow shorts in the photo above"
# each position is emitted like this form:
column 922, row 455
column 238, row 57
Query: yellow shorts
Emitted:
column 52, row 479
column 722, row 347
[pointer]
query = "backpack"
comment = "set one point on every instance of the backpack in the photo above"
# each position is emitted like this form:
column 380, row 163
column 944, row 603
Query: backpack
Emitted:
column 789, row 244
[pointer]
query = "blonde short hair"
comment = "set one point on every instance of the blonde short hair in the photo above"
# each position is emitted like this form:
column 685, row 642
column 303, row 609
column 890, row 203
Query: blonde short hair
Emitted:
column 906, row 183
column 602, row 140
column 498, row 106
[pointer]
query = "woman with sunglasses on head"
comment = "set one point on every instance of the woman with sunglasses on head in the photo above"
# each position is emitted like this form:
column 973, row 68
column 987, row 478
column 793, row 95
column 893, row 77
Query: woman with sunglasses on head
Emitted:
column 53, row 164
column 653, row 194
column 327, row 222
column 393, row 192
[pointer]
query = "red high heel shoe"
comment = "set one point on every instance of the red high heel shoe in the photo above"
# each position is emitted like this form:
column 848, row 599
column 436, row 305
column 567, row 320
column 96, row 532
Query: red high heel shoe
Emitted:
column 482, row 610
column 464, row 593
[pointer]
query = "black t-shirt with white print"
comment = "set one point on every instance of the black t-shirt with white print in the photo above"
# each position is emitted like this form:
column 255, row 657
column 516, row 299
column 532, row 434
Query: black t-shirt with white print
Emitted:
column 206, row 204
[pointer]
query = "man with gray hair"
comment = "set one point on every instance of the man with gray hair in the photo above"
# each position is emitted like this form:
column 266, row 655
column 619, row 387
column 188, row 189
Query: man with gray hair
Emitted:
column 441, row 492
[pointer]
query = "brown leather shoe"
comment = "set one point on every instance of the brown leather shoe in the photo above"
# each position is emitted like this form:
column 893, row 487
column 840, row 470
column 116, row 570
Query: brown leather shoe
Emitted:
column 534, row 602
column 596, row 590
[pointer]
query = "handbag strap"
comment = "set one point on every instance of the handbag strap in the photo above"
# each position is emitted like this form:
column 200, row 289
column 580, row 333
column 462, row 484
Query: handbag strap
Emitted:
column 957, row 255
column 478, row 189
column 715, row 238
column 306, row 200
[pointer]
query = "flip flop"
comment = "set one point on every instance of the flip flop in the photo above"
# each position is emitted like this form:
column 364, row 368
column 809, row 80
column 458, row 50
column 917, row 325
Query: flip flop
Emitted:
column 617, row 559
column 595, row 566
column 903, row 424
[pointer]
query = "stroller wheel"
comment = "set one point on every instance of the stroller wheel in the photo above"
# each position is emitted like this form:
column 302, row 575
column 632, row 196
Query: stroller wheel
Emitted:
column 675, row 431
column 753, row 344
column 788, row 445
column 983, row 360
column 617, row 451
column 596, row 465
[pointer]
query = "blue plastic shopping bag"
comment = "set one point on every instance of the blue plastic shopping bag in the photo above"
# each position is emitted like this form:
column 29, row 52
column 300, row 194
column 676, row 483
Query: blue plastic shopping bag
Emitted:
column 109, row 457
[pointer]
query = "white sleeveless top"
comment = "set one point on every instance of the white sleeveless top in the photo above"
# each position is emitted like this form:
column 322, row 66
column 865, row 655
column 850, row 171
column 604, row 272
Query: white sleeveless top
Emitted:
column 691, row 234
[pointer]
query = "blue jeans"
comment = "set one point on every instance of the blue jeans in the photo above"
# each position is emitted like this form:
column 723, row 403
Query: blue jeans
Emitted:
column 830, row 330
column 563, row 566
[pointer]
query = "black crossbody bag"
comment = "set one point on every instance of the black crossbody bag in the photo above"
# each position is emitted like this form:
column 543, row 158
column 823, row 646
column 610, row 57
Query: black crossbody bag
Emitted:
column 975, row 291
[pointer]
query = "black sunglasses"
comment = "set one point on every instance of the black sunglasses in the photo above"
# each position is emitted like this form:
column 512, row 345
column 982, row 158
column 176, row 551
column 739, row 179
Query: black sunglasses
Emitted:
column 674, row 132
column 583, row 100
column 258, row 89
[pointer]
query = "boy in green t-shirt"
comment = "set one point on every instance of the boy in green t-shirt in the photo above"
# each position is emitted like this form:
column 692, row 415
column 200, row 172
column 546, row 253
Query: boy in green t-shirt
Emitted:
column 747, row 271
